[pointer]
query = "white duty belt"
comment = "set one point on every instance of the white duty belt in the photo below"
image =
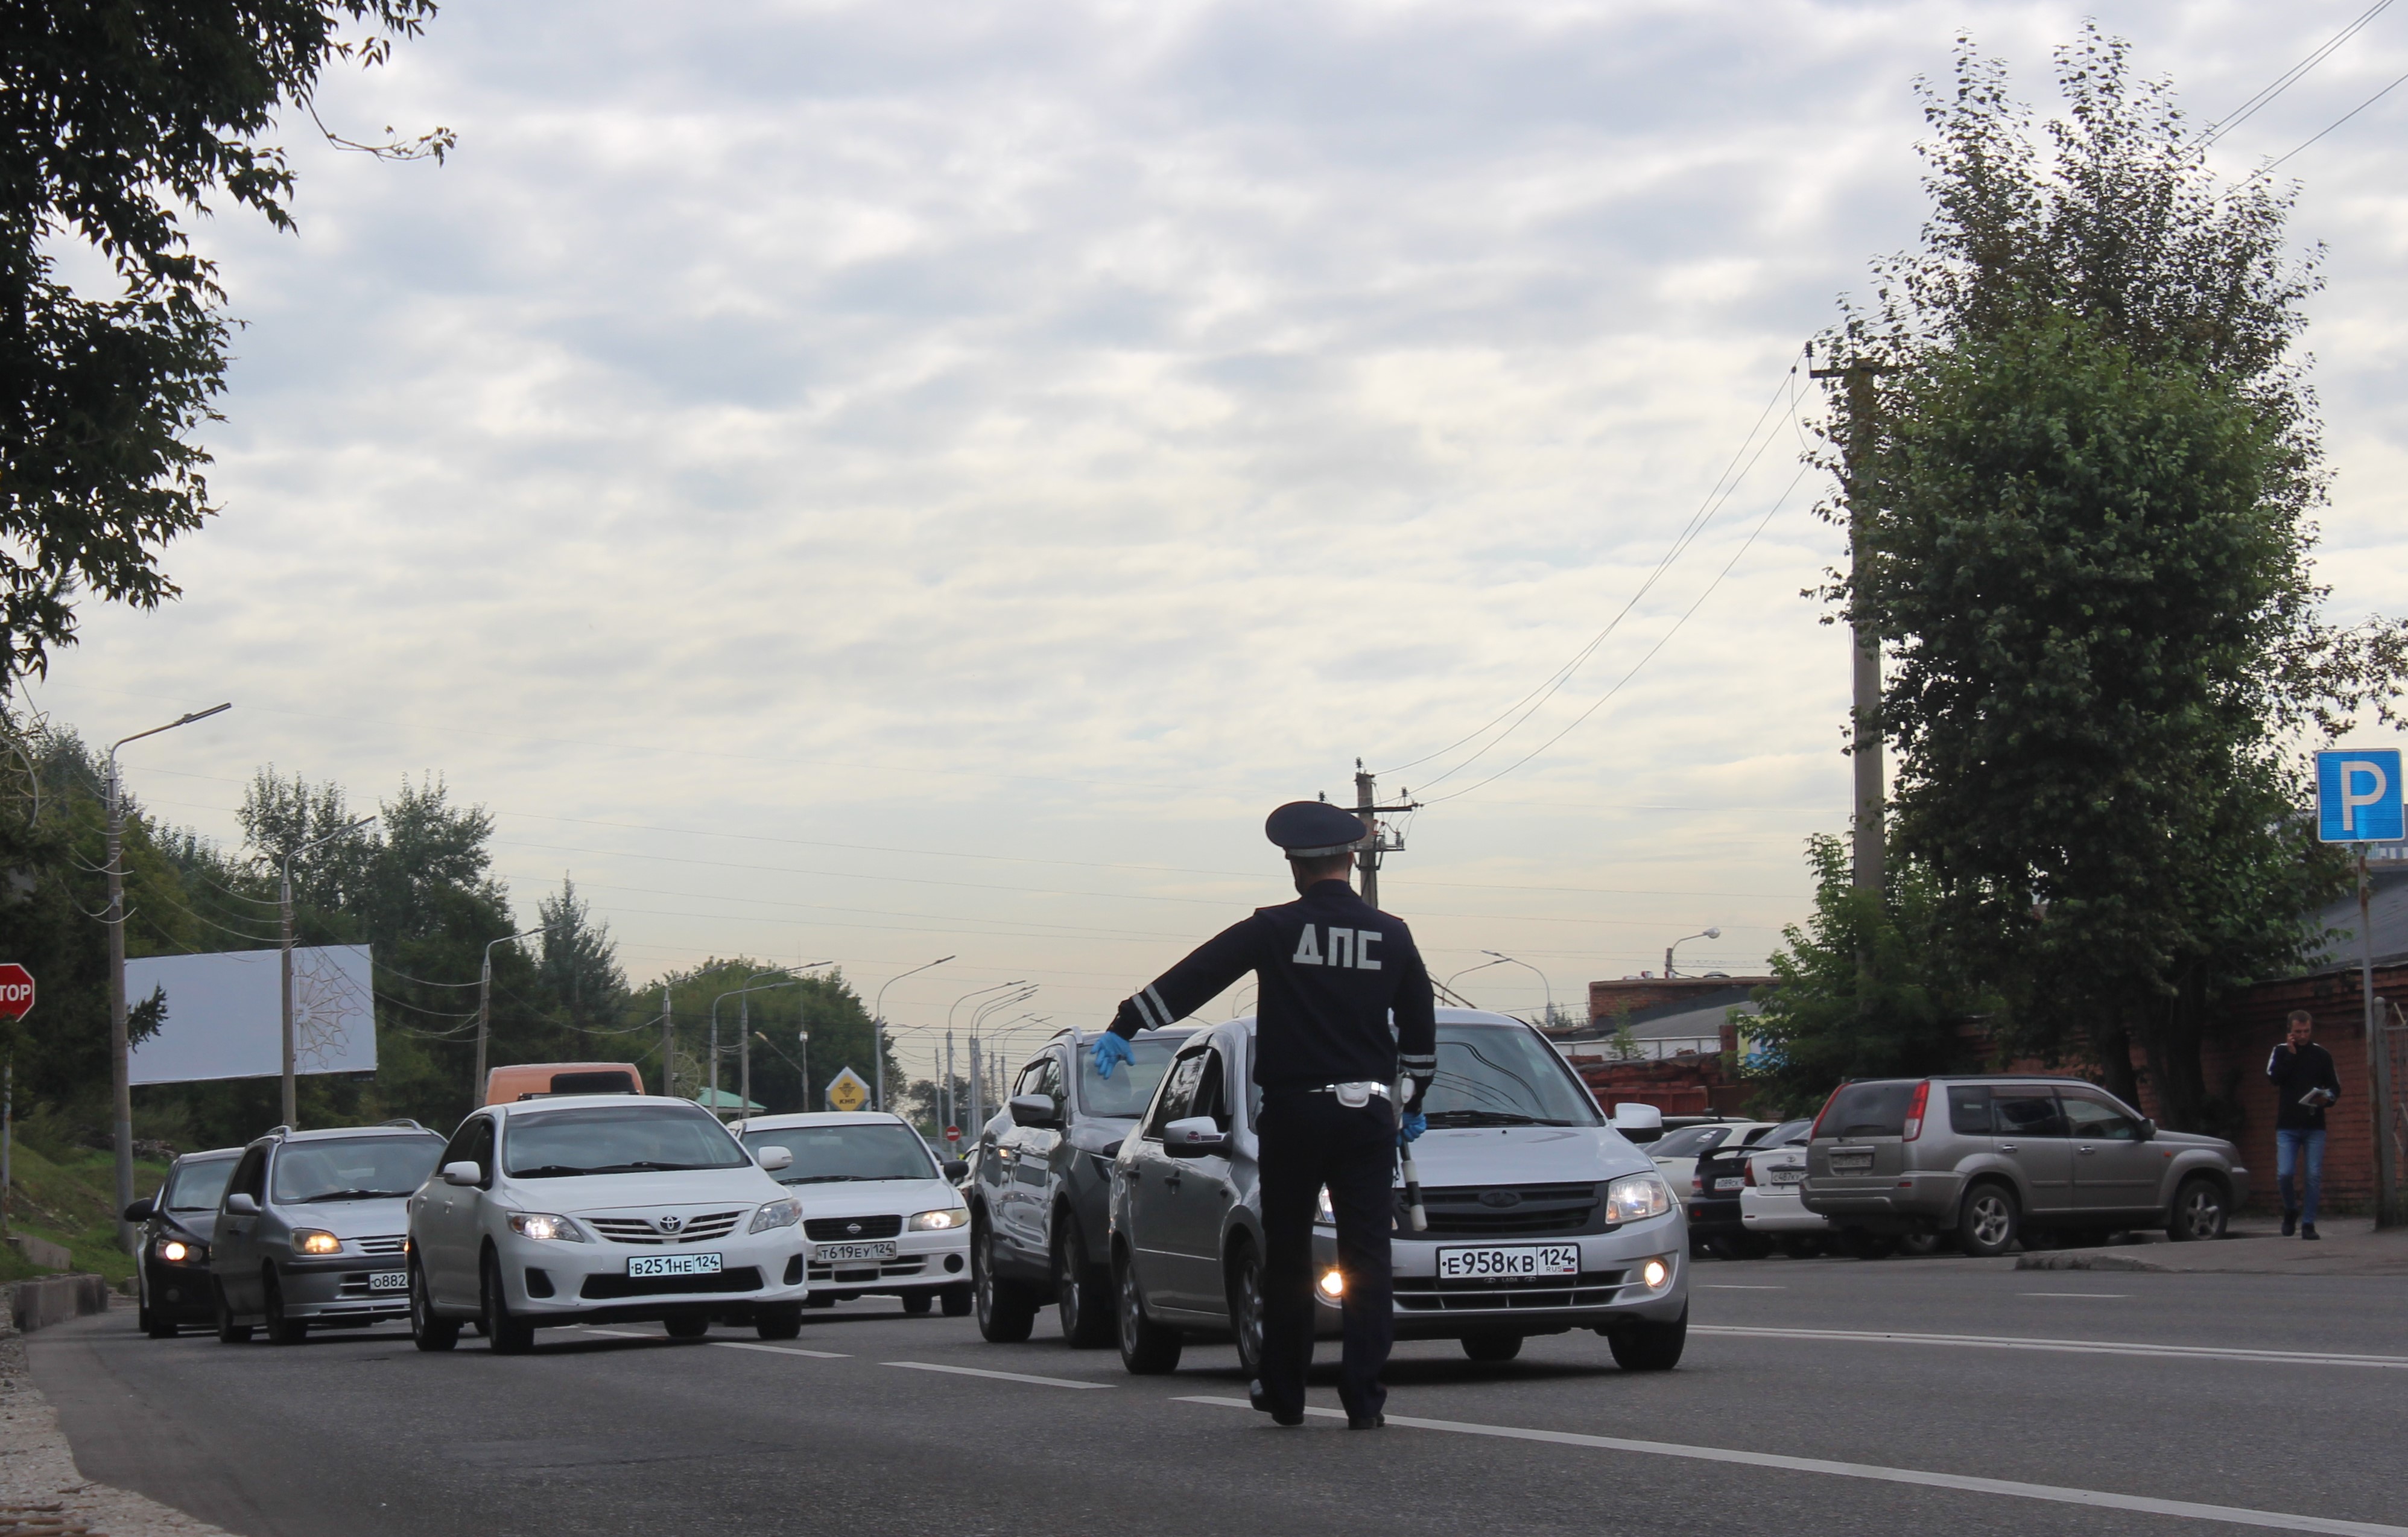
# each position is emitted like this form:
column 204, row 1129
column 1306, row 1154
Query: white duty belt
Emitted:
column 1356, row 1096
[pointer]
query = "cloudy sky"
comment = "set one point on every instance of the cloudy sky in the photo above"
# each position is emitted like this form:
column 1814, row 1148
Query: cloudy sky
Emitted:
column 873, row 481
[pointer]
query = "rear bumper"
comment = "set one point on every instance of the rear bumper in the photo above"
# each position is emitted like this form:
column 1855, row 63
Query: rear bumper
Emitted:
column 1780, row 1214
column 1910, row 1202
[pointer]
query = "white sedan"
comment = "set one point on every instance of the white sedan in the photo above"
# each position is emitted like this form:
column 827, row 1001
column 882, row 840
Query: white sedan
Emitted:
column 1769, row 1203
column 885, row 1220
column 604, row 1207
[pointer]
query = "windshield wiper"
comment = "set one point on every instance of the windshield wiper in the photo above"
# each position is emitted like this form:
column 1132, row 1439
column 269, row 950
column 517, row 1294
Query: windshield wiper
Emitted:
column 1487, row 1118
column 824, row 1179
column 344, row 1195
column 648, row 1168
column 550, row 1171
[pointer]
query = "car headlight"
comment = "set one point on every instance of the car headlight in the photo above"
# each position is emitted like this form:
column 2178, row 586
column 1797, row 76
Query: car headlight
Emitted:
column 1325, row 1214
column 1635, row 1197
column 544, row 1225
column 939, row 1221
column 778, row 1213
column 175, row 1251
column 315, row 1241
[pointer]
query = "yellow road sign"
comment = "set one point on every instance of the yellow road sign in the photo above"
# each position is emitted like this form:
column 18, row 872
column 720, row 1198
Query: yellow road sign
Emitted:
column 847, row 1092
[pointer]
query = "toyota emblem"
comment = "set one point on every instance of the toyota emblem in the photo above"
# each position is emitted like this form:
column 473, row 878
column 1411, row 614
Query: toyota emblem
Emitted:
column 670, row 1224
column 1500, row 1198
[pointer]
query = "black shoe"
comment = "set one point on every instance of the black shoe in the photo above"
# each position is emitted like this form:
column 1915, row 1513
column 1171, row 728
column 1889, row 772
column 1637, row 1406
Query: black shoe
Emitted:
column 2308, row 1231
column 1369, row 1422
column 2290, row 1223
column 1262, row 1402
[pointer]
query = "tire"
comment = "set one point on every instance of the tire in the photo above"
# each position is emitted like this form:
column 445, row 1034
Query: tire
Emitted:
column 153, row 1324
column 229, row 1332
column 1504, row 1348
column 1922, row 1244
column 504, row 1334
column 1147, row 1348
column 956, row 1301
column 426, row 1331
column 281, row 1329
column 1988, row 1221
column 1650, row 1347
column 1083, row 1293
column 1801, row 1246
column 1245, row 1297
column 694, row 1325
column 782, row 1322
column 2199, row 1211
column 917, row 1303
column 1006, row 1311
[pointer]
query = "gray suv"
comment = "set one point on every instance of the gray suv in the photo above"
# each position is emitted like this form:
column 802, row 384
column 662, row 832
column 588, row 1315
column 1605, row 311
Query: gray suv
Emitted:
column 1987, row 1159
column 309, row 1232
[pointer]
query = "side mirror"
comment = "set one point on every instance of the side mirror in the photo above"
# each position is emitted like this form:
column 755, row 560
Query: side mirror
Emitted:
column 240, row 1204
column 1637, row 1122
column 774, row 1158
column 141, row 1211
column 957, row 1169
column 1113, row 1148
column 1035, row 1110
column 2148, row 1128
column 1194, row 1138
column 463, row 1172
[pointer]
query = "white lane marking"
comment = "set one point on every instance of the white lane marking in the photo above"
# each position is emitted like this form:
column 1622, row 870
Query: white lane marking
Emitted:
column 782, row 1350
column 1730, row 1285
column 2075, row 1348
column 622, row 1333
column 2097, row 1294
column 999, row 1376
column 2096, row 1498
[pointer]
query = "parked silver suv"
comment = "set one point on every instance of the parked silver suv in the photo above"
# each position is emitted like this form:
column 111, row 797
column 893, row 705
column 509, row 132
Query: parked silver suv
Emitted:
column 1989, row 1159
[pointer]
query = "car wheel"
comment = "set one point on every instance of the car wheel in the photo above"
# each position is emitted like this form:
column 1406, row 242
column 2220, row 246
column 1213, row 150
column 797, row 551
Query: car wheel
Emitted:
column 281, row 1329
column 1246, row 1307
column 956, row 1301
column 153, row 1324
column 1801, row 1246
column 1921, row 1243
column 691, row 1326
column 782, row 1322
column 1147, row 1348
column 229, row 1332
column 504, row 1334
column 1500, row 1347
column 1987, row 1223
column 917, row 1303
column 1006, row 1312
column 2199, row 1212
column 1650, row 1346
column 1083, row 1293
column 426, row 1331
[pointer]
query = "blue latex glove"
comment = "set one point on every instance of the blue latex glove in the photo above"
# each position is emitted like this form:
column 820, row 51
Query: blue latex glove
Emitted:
column 1110, row 1052
column 1409, row 1127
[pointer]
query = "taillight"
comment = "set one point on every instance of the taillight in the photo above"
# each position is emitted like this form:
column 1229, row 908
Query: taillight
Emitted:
column 1696, row 1183
column 1913, row 1127
column 1751, row 1171
column 1816, row 1129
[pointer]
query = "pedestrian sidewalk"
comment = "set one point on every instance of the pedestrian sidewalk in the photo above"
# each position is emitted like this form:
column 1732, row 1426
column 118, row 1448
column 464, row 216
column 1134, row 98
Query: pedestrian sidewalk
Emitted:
column 40, row 1489
column 2350, row 1247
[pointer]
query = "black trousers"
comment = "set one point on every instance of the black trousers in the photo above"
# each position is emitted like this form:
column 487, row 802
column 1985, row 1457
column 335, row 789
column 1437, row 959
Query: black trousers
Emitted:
column 1309, row 1140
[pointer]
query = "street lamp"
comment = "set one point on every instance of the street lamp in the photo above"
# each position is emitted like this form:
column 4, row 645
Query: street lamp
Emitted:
column 284, row 866
column 1449, row 983
column 485, row 1012
column 979, row 1017
column 119, row 1065
column 951, row 1109
column 744, row 1032
column 878, row 1026
column 735, row 992
column 1709, row 934
column 1528, row 967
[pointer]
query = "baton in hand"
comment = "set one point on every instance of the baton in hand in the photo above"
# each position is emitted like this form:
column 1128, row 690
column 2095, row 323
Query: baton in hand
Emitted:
column 1419, row 1218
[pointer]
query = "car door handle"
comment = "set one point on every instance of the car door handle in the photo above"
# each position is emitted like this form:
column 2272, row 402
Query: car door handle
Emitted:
column 2084, row 1147
column 2006, row 1147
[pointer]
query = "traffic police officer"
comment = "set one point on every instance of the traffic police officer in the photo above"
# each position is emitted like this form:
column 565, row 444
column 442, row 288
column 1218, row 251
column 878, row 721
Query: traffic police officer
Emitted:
column 1332, row 971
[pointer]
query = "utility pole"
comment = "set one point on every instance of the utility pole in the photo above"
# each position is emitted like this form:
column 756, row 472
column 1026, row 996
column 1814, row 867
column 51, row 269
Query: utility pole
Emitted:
column 1865, row 746
column 484, row 1013
column 978, row 1098
column 949, row 1084
column 877, row 1030
column 1368, row 810
column 2378, row 1061
column 669, row 1047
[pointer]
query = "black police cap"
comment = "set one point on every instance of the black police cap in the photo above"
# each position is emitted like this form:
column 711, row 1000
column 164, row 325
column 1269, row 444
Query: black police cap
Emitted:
column 1308, row 829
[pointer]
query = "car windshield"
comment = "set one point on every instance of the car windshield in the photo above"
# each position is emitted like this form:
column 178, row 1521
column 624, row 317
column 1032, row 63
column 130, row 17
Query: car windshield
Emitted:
column 846, row 1151
column 353, row 1167
column 1504, row 1075
column 615, row 1139
column 1785, row 1133
column 197, row 1187
column 1687, row 1143
column 1130, row 1087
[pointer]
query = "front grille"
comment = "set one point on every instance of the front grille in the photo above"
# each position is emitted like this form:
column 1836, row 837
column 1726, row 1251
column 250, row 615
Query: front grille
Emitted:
column 1457, row 1212
column 389, row 1244
column 701, row 1230
column 867, row 1269
column 836, row 1230
column 612, row 1287
column 1427, row 1294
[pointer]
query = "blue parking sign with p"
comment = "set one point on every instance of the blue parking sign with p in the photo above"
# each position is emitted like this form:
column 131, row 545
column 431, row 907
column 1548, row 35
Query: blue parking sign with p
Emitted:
column 2357, row 796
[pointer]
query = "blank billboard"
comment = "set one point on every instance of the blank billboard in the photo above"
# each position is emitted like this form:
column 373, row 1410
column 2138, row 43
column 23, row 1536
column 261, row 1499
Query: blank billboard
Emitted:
column 226, row 1014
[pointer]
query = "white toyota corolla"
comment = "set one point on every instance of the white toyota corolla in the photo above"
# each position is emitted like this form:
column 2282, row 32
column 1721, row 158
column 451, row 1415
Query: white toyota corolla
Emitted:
column 598, row 1207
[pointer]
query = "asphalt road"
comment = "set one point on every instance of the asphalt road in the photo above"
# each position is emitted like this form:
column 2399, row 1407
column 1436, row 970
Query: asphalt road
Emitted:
column 1905, row 1384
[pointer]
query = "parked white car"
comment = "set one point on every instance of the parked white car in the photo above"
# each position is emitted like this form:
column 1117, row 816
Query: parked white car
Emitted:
column 880, row 1215
column 1677, row 1151
column 1769, row 1203
column 596, row 1208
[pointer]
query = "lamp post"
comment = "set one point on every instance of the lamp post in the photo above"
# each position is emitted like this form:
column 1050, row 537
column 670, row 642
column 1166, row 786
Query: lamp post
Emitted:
column 120, row 1082
column 285, row 901
column 1528, row 967
column 979, row 1016
column 733, row 992
column 485, row 1012
column 878, row 1028
column 1709, row 934
column 1449, row 983
column 744, row 1032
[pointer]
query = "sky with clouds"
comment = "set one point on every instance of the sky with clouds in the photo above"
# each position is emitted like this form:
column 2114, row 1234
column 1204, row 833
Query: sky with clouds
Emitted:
column 871, row 483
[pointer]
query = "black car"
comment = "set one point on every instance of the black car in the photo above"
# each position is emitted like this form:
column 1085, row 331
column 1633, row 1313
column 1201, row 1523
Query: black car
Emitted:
column 1039, row 1200
column 1714, row 1223
column 172, row 1270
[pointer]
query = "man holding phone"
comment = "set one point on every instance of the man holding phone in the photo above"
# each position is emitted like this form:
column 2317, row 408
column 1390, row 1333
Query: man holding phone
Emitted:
column 2304, row 1084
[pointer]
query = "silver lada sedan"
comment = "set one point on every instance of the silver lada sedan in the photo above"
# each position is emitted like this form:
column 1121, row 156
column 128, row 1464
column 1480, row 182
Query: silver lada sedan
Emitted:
column 1542, row 1219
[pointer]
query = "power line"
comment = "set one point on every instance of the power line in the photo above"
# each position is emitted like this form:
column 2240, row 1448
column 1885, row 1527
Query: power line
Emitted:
column 2336, row 123
column 2290, row 78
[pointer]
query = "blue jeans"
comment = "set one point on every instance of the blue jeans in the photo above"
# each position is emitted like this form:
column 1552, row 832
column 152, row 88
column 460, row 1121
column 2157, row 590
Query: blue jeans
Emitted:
column 2289, row 1146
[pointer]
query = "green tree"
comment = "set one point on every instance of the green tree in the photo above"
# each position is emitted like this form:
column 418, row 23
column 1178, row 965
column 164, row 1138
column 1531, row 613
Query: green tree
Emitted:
column 117, row 123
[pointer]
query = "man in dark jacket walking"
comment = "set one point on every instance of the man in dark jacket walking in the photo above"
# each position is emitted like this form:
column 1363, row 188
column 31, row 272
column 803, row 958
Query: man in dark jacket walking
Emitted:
column 2304, row 1084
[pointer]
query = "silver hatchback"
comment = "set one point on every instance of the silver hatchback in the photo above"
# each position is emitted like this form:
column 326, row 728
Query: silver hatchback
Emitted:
column 1987, row 1159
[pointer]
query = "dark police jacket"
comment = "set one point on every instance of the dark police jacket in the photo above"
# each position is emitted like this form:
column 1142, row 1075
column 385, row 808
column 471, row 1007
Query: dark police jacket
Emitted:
column 1331, row 968
column 2293, row 1073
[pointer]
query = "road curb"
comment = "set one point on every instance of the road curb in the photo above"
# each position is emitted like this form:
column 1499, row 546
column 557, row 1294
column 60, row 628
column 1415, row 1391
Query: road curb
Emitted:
column 37, row 1470
column 2079, row 1260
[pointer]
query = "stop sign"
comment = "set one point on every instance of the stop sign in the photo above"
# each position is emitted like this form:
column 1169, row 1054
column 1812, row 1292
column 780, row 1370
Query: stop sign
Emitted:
column 16, row 991
column 952, row 1133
